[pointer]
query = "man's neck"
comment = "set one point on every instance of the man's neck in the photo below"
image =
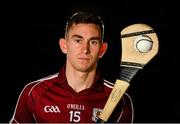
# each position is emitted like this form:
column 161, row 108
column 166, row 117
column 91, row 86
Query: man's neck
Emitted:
column 80, row 80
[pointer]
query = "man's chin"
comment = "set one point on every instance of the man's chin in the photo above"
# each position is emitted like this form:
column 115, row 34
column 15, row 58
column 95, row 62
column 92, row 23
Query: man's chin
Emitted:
column 85, row 69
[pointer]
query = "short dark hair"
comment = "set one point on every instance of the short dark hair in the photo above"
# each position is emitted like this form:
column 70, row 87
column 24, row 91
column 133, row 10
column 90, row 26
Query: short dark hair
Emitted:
column 84, row 17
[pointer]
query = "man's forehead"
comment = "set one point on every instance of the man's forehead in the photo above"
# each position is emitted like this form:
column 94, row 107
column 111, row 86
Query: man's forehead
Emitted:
column 85, row 29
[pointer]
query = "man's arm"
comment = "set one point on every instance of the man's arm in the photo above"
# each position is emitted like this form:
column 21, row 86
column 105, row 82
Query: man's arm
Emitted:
column 23, row 109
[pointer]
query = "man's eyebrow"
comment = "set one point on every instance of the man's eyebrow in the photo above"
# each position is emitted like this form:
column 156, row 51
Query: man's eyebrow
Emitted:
column 76, row 35
column 79, row 36
column 94, row 38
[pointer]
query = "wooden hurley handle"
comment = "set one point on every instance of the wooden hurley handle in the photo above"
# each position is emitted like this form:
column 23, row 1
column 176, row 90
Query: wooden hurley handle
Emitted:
column 119, row 89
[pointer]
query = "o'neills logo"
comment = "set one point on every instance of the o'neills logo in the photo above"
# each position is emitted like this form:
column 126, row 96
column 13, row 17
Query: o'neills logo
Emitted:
column 51, row 109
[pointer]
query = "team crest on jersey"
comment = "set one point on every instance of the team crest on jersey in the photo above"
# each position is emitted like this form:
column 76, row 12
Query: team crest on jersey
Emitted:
column 96, row 113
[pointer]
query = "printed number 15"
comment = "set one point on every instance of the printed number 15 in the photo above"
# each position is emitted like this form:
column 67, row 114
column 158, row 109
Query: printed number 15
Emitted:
column 75, row 116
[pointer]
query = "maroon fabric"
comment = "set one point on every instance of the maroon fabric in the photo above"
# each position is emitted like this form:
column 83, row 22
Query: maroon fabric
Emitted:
column 51, row 99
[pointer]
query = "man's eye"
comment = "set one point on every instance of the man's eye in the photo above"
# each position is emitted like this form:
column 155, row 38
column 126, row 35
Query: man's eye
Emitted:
column 94, row 42
column 77, row 40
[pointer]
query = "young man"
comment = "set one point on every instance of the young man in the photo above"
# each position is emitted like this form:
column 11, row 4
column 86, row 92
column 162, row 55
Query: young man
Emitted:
column 78, row 92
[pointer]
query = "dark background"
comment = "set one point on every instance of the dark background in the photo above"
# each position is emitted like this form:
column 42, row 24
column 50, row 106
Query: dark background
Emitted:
column 30, row 31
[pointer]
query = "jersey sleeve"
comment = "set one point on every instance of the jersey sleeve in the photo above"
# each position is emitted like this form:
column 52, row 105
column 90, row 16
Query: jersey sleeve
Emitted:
column 23, row 111
column 124, row 112
column 127, row 114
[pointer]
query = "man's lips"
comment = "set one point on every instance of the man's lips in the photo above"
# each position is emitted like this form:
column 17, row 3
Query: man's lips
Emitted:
column 82, row 58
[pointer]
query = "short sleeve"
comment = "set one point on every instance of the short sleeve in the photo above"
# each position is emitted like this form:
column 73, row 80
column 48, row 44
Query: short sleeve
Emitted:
column 24, row 106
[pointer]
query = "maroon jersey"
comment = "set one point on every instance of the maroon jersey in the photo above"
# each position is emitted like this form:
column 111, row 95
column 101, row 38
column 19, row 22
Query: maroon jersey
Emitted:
column 51, row 99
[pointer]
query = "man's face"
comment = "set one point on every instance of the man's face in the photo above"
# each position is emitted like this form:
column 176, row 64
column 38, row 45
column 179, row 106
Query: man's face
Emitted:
column 83, row 46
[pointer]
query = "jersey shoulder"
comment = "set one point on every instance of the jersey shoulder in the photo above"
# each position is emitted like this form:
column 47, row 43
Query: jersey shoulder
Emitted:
column 40, row 85
column 109, row 86
column 124, row 112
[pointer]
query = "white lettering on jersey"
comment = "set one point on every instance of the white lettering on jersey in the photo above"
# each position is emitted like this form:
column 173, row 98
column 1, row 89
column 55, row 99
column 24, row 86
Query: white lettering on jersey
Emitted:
column 75, row 106
column 51, row 109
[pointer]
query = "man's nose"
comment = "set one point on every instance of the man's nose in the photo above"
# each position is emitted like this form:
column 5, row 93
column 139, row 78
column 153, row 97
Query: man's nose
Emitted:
column 86, row 48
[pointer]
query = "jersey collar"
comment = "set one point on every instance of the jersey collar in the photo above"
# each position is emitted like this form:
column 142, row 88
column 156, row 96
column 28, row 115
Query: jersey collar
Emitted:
column 97, row 85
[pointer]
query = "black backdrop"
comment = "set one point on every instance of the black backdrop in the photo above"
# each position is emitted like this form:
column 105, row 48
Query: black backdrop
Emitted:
column 29, row 40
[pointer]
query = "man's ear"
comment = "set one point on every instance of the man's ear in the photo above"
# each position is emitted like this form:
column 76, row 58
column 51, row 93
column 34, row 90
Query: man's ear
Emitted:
column 62, row 44
column 103, row 49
